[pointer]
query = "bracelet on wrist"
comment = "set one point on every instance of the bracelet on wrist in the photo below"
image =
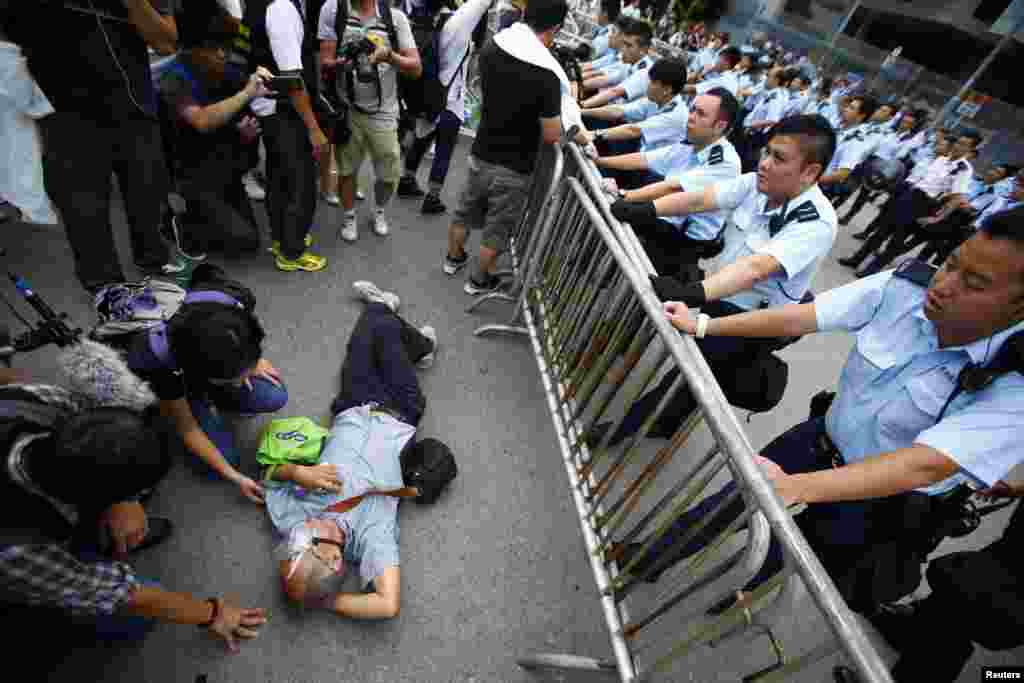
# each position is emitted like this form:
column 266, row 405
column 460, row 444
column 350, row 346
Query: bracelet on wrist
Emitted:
column 702, row 325
column 215, row 603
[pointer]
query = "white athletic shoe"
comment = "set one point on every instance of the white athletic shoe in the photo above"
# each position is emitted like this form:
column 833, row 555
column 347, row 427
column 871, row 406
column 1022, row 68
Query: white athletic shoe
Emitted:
column 349, row 229
column 428, row 360
column 359, row 195
column 371, row 293
column 253, row 188
column 331, row 198
column 380, row 223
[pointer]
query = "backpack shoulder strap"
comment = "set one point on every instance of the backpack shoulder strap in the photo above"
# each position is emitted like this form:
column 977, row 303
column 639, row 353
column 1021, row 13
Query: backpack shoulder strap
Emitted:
column 349, row 503
column 160, row 346
column 211, row 296
column 39, row 414
column 384, row 8
column 341, row 20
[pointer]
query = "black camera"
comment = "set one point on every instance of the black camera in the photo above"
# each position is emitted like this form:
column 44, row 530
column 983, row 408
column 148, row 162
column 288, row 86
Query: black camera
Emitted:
column 570, row 56
column 357, row 52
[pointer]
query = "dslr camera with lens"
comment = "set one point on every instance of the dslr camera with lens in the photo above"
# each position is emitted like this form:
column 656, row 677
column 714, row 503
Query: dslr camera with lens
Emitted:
column 358, row 52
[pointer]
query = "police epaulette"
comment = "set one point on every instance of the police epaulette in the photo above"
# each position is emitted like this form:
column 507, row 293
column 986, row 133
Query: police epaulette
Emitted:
column 803, row 213
column 918, row 272
column 716, row 155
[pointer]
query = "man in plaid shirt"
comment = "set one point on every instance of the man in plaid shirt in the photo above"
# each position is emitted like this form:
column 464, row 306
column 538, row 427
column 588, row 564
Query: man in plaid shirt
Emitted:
column 70, row 480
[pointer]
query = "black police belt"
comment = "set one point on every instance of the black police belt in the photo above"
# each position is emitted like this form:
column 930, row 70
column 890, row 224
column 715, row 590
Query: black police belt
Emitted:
column 826, row 450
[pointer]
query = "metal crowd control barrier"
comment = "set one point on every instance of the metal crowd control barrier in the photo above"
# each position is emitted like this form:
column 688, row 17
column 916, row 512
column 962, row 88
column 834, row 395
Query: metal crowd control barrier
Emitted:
column 600, row 337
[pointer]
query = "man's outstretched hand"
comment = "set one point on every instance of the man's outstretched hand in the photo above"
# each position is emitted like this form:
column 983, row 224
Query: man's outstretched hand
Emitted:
column 323, row 476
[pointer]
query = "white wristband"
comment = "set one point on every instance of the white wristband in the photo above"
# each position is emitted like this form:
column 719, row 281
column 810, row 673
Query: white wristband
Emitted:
column 702, row 325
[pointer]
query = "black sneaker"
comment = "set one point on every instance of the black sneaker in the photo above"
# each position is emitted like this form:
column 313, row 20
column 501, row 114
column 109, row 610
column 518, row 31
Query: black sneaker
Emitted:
column 473, row 288
column 407, row 187
column 453, row 265
column 432, row 205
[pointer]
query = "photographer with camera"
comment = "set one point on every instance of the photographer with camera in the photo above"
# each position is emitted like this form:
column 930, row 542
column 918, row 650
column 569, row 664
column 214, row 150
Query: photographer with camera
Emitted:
column 75, row 468
column 105, row 123
column 363, row 65
column 213, row 134
column 450, row 54
column 284, row 40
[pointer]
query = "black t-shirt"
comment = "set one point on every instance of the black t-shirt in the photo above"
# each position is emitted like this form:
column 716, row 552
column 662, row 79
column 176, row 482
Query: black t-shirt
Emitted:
column 516, row 95
column 69, row 56
column 167, row 383
column 219, row 154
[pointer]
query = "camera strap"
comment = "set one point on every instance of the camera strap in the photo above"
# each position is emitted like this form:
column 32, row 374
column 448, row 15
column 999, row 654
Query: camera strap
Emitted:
column 341, row 18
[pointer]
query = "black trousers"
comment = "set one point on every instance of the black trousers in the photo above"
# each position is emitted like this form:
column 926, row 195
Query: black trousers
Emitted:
column 723, row 354
column 894, row 227
column 79, row 157
column 218, row 216
column 379, row 365
column 671, row 252
column 977, row 597
column 291, row 179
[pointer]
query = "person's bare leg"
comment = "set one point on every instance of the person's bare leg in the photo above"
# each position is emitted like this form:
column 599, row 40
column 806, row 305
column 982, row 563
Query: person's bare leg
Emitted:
column 347, row 188
column 328, row 176
column 457, row 241
column 488, row 257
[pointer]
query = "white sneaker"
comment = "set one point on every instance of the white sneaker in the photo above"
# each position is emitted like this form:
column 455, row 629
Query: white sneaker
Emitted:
column 331, row 198
column 428, row 360
column 380, row 224
column 371, row 293
column 253, row 187
column 430, row 152
column 349, row 229
column 359, row 195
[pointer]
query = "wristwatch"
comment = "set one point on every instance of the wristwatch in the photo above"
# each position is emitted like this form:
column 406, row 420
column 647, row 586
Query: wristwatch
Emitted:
column 598, row 135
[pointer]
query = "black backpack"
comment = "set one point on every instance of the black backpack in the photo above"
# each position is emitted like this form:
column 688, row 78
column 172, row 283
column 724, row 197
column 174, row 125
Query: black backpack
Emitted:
column 426, row 97
column 429, row 466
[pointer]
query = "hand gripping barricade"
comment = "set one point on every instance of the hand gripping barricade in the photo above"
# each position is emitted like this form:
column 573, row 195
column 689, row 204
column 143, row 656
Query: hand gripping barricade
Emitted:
column 582, row 296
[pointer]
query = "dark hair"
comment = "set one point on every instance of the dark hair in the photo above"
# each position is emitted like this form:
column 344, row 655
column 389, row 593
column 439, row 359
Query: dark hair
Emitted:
column 972, row 134
column 1006, row 225
column 785, row 75
column 612, row 8
column 1012, row 170
column 671, row 72
column 624, row 22
column 544, row 15
column 814, row 134
column 868, row 104
column 732, row 56
column 826, row 84
column 728, row 106
column 211, row 340
column 107, row 455
column 642, row 31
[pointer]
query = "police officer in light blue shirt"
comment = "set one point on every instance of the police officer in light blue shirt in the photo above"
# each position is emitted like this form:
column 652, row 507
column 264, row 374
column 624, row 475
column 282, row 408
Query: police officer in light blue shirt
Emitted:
column 780, row 231
column 703, row 159
column 930, row 396
column 634, row 48
column 605, row 19
column 654, row 121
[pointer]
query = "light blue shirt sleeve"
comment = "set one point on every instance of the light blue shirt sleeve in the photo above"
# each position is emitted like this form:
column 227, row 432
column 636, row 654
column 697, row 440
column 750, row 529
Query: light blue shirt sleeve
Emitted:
column 638, row 110
column 664, row 129
column 616, row 73
column 379, row 541
column 731, row 193
column 798, row 245
column 601, row 44
column 664, row 159
column 607, row 59
column 983, row 437
column 850, row 307
column 636, row 84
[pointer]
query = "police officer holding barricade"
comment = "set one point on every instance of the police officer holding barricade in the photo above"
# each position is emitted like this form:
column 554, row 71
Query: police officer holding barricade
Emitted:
column 703, row 158
column 781, row 229
column 931, row 397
